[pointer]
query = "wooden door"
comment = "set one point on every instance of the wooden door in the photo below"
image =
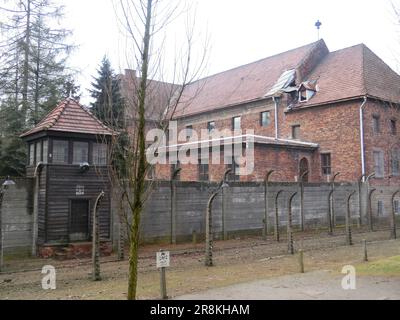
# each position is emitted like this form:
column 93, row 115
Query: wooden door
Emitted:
column 79, row 220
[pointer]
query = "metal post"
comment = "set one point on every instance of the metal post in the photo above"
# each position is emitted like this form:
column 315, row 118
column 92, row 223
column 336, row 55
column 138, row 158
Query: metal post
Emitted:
column 224, row 230
column 289, row 226
column 276, row 227
column 173, row 205
column 301, row 260
column 370, row 216
column 194, row 237
column 365, row 250
column 163, row 284
column 265, row 221
column 393, row 233
column 302, row 199
column 348, row 221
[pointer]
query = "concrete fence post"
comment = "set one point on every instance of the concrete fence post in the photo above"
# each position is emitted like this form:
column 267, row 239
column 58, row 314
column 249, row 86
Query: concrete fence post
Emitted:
column 276, row 227
column 223, row 194
column 173, row 205
column 360, row 187
column 302, row 218
column 332, row 202
column 266, row 204
column 96, row 240
column 370, row 215
column 365, row 250
column 393, row 233
column 349, row 238
column 289, row 226
column 330, row 209
column 301, row 261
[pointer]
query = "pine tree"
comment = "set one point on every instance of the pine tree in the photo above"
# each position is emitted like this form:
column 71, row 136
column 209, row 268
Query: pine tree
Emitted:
column 109, row 104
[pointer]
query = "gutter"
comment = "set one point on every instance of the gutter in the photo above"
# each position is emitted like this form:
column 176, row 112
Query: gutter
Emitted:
column 362, row 137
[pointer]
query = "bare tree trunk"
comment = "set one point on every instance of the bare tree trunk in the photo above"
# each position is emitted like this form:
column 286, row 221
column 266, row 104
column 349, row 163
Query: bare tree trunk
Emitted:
column 25, row 81
column 139, row 185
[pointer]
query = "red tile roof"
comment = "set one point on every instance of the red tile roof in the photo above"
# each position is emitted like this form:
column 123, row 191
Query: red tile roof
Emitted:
column 71, row 116
column 353, row 72
column 344, row 74
column 245, row 83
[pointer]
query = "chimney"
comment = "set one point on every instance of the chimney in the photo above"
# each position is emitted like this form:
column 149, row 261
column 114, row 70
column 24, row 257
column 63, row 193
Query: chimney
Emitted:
column 130, row 74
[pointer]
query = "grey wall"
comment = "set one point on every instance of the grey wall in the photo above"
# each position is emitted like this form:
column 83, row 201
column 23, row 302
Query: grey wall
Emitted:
column 17, row 217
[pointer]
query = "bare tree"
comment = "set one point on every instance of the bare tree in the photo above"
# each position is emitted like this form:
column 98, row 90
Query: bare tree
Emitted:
column 151, row 103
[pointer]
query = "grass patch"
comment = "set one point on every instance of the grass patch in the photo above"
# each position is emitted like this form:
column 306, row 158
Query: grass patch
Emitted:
column 383, row 267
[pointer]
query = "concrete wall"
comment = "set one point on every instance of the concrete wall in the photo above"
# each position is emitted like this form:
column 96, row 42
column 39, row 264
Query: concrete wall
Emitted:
column 17, row 217
column 245, row 208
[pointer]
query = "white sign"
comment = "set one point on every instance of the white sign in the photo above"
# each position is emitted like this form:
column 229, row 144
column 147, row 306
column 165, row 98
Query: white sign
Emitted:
column 163, row 259
column 80, row 190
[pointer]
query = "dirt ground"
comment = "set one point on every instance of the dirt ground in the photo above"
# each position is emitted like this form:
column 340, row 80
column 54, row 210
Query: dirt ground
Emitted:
column 236, row 261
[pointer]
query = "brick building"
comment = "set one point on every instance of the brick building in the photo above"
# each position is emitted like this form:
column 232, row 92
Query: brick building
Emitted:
column 310, row 109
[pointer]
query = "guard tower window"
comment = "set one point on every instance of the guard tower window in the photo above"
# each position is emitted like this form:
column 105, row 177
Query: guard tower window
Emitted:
column 81, row 152
column 99, row 154
column 31, row 154
column 60, row 152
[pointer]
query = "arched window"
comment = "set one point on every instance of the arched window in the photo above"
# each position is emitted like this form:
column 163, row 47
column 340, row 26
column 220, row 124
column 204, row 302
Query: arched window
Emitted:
column 396, row 161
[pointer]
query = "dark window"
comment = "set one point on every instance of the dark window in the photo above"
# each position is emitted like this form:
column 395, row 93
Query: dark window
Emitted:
column 326, row 164
column 396, row 161
column 236, row 123
column 99, row 154
column 60, row 151
column 81, row 152
column 211, row 126
column 265, row 118
column 380, row 208
column 379, row 164
column 303, row 95
column 397, row 207
column 393, row 127
column 296, row 132
column 376, row 124
column 203, row 171
column 189, row 132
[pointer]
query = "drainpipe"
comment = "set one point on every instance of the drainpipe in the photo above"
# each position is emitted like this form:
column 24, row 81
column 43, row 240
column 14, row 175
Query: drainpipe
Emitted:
column 362, row 137
column 276, row 102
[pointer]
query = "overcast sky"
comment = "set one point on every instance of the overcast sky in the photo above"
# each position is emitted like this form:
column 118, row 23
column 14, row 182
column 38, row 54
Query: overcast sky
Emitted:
column 242, row 31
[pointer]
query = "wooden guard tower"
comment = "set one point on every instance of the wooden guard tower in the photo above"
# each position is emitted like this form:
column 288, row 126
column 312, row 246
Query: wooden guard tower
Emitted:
column 68, row 161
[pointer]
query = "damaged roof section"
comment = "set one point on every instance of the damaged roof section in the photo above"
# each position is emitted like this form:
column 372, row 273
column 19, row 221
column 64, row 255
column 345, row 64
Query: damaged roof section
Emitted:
column 284, row 81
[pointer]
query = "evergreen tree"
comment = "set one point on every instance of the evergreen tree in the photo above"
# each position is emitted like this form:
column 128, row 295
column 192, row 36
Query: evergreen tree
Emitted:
column 108, row 105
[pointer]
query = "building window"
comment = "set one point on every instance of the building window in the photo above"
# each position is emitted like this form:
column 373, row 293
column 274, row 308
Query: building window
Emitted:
column 379, row 164
column 396, row 161
column 396, row 207
column 45, row 151
column 296, row 132
column 38, row 152
column 31, row 154
column 265, row 118
column 393, row 127
column 99, row 154
column 236, row 123
column 60, row 151
column 326, row 164
column 203, row 171
column 81, row 152
column 189, row 132
column 303, row 95
column 211, row 126
column 376, row 124
column 380, row 209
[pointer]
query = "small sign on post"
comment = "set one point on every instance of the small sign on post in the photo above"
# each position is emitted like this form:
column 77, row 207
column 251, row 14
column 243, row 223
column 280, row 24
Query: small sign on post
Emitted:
column 163, row 262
